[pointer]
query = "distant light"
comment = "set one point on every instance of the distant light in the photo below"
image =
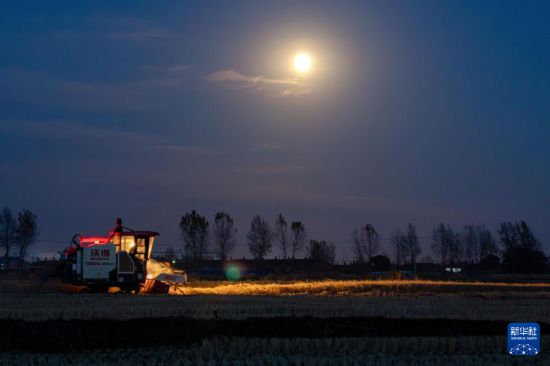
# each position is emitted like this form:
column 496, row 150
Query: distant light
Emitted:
column 173, row 261
column 453, row 269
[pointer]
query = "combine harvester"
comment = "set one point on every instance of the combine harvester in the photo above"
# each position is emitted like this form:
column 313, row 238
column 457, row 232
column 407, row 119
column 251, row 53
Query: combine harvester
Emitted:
column 117, row 260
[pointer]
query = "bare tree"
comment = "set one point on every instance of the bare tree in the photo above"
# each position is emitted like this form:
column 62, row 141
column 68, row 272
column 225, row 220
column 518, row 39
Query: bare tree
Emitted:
column 358, row 245
column 440, row 242
column 281, row 235
column 320, row 250
column 470, row 240
column 522, row 251
column 477, row 243
column 455, row 246
column 509, row 237
column 298, row 237
column 412, row 245
column 224, row 234
column 8, row 227
column 487, row 243
column 259, row 237
column 398, row 245
column 366, row 242
column 26, row 233
column 519, row 234
column 527, row 239
column 194, row 229
column 446, row 243
column 373, row 241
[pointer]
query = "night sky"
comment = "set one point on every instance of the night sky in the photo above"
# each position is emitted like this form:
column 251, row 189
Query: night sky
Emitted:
column 413, row 111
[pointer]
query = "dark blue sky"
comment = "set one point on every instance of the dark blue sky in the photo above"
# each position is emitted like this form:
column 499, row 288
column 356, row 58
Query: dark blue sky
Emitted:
column 423, row 111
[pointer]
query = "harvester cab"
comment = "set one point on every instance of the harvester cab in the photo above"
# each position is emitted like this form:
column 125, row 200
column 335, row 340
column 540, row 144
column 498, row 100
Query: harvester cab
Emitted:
column 117, row 260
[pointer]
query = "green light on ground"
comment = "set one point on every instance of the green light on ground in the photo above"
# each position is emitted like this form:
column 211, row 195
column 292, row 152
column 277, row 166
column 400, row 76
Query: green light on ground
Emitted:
column 232, row 273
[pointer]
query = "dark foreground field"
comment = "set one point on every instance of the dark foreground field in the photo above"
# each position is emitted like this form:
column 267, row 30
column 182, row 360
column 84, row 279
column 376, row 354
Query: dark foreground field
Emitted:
column 313, row 323
column 252, row 341
column 63, row 335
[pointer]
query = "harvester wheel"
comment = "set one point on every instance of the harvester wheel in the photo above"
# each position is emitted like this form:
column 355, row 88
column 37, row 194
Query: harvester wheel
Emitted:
column 130, row 289
column 98, row 289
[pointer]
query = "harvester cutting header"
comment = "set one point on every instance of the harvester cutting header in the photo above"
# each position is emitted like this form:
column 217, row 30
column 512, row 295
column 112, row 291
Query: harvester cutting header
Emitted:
column 117, row 260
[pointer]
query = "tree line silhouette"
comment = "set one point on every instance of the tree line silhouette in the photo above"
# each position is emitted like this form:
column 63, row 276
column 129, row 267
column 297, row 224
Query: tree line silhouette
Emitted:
column 519, row 249
column 515, row 246
column 17, row 234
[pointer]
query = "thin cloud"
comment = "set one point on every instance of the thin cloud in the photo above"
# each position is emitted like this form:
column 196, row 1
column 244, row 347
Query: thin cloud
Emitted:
column 129, row 28
column 276, row 87
column 80, row 131
column 165, row 76
column 186, row 149
column 167, row 69
column 147, row 91
column 135, row 29
column 144, row 33
column 176, row 68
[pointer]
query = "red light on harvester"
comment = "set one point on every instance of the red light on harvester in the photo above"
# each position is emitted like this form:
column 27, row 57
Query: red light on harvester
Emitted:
column 90, row 241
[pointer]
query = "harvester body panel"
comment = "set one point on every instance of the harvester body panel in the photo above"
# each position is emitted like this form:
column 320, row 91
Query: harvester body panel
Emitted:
column 97, row 262
column 119, row 259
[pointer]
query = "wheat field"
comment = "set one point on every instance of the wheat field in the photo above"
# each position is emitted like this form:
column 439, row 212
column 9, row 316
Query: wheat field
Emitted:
column 355, row 287
column 37, row 307
column 420, row 351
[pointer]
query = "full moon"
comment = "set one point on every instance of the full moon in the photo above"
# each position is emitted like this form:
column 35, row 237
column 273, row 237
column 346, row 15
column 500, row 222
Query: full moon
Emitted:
column 302, row 62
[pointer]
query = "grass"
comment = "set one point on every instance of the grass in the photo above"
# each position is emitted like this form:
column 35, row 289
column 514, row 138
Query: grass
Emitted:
column 395, row 299
column 239, row 300
column 35, row 307
column 459, row 351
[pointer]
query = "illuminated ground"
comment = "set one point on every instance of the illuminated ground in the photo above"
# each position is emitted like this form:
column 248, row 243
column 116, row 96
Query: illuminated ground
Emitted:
column 355, row 287
column 203, row 300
